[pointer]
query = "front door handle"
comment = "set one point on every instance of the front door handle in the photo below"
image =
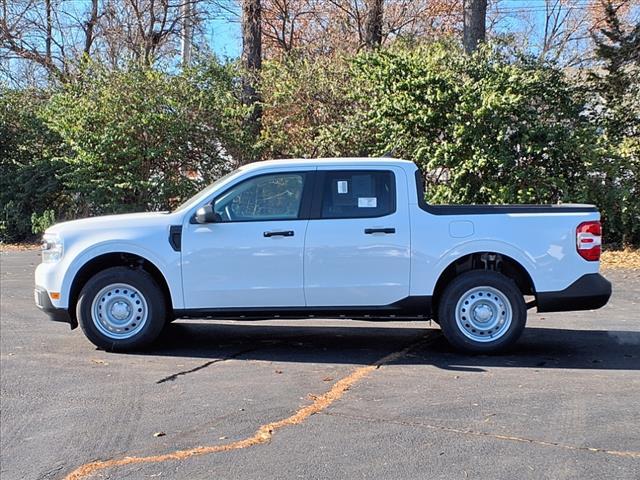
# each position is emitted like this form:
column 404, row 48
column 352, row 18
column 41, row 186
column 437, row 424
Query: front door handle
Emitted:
column 283, row 233
column 370, row 231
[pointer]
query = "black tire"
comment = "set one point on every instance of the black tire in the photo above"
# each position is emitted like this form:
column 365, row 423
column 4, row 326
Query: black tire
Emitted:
column 149, row 292
column 460, row 287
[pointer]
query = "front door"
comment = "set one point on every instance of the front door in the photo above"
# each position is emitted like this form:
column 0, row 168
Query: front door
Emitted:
column 357, row 247
column 252, row 256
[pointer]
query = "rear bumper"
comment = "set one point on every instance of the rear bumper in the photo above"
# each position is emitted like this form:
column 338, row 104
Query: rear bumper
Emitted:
column 589, row 292
column 43, row 302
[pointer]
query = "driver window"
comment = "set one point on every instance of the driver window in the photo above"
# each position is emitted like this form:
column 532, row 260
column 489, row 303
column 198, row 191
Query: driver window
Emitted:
column 265, row 197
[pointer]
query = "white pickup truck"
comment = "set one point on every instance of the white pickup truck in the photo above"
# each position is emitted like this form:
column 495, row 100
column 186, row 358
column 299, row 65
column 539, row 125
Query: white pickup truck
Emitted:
column 329, row 238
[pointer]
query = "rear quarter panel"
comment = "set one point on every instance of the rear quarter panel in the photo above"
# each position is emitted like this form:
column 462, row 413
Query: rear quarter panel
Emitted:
column 543, row 243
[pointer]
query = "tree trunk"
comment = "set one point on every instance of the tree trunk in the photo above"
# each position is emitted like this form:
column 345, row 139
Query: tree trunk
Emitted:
column 373, row 26
column 186, row 34
column 251, row 35
column 93, row 19
column 252, row 60
column 475, row 13
column 48, row 37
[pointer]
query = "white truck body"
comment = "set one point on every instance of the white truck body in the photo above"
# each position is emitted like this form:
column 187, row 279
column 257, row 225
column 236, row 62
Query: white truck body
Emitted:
column 343, row 253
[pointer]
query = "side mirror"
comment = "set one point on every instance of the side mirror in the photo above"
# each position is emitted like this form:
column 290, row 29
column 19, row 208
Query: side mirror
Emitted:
column 206, row 215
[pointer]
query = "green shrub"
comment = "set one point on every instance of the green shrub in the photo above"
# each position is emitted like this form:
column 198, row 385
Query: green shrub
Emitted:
column 142, row 139
column 485, row 129
column 613, row 91
column 29, row 170
column 614, row 185
column 39, row 223
column 302, row 99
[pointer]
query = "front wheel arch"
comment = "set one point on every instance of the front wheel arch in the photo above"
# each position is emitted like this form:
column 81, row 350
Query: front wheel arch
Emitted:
column 115, row 259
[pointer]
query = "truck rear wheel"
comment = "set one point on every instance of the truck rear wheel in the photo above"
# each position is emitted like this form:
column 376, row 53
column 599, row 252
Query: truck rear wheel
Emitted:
column 482, row 312
column 121, row 309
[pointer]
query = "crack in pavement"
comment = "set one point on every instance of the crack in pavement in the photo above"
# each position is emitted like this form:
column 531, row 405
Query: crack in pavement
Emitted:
column 477, row 433
column 265, row 432
column 49, row 473
column 172, row 377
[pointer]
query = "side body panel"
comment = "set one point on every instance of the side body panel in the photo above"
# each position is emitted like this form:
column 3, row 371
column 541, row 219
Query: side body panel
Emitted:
column 345, row 266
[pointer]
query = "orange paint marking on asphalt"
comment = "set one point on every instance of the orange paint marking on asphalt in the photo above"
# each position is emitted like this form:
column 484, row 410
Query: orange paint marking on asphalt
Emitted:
column 262, row 435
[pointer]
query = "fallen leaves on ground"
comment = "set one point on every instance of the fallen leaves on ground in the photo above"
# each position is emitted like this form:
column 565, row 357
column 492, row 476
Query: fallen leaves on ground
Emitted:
column 627, row 259
column 13, row 247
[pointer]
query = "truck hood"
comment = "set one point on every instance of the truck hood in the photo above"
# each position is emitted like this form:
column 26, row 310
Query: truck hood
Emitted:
column 112, row 222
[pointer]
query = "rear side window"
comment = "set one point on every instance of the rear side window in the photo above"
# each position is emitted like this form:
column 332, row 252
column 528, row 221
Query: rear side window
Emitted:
column 358, row 194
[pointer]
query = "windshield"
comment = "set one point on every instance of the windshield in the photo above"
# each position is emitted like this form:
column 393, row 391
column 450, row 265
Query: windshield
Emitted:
column 191, row 199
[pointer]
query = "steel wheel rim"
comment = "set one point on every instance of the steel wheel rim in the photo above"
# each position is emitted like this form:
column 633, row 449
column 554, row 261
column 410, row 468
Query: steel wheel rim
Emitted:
column 119, row 311
column 484, row 314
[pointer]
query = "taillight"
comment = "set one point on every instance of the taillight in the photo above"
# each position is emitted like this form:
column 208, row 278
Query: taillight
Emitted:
column 589, row 240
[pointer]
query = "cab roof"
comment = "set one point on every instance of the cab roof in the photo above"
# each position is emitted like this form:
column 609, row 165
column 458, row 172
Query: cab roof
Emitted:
column 339, row 161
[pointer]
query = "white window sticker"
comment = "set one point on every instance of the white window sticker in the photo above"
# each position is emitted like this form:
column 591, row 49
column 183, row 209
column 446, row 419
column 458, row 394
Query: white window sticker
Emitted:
column 343, row 186
column 367, row 202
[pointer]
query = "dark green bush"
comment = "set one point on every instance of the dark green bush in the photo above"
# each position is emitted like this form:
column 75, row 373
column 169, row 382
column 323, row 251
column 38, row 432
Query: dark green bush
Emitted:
column 302, row 99
column 142, row 139
column 483, row 129
column 613, row 107
column 30, row 173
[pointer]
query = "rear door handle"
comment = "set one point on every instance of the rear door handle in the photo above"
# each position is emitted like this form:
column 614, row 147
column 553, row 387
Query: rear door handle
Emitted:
column 283, row 233
column 370, row 231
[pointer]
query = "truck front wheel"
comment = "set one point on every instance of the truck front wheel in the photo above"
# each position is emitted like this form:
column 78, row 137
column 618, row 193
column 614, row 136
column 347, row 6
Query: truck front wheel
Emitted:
column 121, row 309
column 482, row 312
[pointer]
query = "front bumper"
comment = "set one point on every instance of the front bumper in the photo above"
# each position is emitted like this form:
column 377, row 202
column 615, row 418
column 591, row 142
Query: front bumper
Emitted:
column 589, row 292
column 43, row 302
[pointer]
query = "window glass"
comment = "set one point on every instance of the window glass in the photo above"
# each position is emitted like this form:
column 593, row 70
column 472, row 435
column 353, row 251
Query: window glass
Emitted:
column 266, row 197
column 193, row 199
column 358, row 194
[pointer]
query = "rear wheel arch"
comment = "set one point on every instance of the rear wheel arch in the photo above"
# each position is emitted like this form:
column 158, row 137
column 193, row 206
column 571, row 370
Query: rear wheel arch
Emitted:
column 487, row 260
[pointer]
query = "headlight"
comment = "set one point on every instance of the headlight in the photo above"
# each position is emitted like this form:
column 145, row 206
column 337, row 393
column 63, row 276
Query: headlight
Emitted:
column 51, row 248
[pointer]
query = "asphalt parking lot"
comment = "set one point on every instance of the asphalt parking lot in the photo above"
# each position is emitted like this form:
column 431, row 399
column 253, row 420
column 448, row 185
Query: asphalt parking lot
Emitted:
column 320, row 399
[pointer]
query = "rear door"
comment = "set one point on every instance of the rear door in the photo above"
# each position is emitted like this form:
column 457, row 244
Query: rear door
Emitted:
column 357, row 247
